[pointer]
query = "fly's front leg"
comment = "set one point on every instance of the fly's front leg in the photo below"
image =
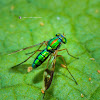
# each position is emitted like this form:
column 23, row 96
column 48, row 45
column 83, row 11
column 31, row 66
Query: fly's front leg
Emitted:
column 62, row 58
column 69, row 53
column 64, row 66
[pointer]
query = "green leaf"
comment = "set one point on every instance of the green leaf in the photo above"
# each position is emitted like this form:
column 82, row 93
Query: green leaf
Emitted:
column 79, row 20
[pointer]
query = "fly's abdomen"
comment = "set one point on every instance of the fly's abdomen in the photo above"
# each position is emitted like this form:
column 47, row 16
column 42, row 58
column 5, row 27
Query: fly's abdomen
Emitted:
column 42, row 56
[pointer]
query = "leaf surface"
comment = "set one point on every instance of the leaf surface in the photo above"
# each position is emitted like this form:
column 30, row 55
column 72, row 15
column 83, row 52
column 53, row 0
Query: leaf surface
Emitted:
column 79, row 20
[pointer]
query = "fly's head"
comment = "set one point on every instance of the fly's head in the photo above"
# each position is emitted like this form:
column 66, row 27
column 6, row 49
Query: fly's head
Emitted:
column 62, row 37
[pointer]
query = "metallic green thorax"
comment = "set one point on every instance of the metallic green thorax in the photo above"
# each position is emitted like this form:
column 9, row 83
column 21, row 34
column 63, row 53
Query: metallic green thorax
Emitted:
column 52, row 45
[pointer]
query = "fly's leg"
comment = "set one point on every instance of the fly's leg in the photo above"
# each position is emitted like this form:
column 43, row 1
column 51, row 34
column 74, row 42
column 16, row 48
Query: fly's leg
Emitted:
column 62, row 58
column 38, row 50
column 29, row 56
column 28, row 47
column 64, row 66
column 69, row 53
column 32, row 52
column 48, row 75
column 69, row 73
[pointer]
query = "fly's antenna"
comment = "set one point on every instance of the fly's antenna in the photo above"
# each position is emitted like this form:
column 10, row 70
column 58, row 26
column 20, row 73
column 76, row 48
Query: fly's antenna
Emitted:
column 63, row 34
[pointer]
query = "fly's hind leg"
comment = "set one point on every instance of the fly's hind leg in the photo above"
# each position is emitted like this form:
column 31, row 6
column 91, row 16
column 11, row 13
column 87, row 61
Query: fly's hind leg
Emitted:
column 32, row 52
column 28, row 47
column 29, row 69
column 45, row 42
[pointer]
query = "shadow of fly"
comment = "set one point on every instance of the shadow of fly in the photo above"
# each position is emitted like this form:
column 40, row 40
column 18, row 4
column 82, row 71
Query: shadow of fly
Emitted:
column 51, row 51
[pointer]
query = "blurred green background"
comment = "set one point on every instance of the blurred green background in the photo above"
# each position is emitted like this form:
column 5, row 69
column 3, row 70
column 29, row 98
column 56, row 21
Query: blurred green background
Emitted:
column 79, row 20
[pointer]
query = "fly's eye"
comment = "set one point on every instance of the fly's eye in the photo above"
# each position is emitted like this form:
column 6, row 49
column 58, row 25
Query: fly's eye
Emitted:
column 58, row 34
column 64, row 40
